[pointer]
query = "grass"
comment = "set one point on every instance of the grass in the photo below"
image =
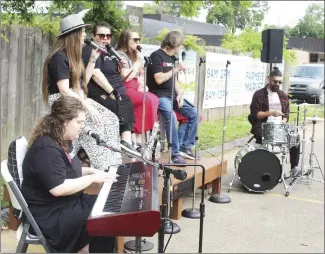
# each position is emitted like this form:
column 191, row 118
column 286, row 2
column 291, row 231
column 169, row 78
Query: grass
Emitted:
column 210, row 132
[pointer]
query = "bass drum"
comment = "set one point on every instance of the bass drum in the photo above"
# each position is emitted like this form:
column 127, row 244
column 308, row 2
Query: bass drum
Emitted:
column 258, row 169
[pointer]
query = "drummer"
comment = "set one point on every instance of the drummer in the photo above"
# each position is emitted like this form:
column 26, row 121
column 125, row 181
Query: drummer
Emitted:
column 270, row 104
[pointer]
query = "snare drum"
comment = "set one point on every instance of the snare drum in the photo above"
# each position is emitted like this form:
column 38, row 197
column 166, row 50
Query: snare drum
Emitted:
column 258, row 169
column 274, row 133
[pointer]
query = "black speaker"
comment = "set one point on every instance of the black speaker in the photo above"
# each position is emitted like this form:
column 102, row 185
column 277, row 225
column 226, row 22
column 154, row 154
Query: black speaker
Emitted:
column 272, row 50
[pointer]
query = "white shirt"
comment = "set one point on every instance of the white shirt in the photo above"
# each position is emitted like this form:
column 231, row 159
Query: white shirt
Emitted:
column 274, row 104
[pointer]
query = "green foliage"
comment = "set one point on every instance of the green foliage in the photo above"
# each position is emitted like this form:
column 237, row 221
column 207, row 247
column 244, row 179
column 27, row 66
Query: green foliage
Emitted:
column 311, row 24
column 22, row 7
column 45, row 23
column 163, row 7
column 110, row 12
column 251, row 41
column 21, row 13
column 236, row 14
column 98, row 11
column 191, row 42
column 174, row 8
column 68, row 7
column 145, row 40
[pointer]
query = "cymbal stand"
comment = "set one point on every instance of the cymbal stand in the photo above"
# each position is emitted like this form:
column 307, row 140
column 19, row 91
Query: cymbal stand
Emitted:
column 304, row 176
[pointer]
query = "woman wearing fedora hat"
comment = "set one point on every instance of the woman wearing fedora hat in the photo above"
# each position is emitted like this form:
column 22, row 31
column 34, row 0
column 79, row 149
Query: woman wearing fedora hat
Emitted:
column 64, row 74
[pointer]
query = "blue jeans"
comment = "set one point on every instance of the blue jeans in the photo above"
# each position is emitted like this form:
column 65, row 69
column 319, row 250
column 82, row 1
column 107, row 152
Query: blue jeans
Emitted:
column 187, row 133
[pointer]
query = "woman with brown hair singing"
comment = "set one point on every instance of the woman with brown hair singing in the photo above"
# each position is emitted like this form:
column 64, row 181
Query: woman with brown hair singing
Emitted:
column 64, row 74
column 127, row 48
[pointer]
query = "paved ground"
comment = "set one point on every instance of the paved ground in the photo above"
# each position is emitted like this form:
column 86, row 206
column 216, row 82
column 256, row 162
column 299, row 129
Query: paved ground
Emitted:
column 252, row 223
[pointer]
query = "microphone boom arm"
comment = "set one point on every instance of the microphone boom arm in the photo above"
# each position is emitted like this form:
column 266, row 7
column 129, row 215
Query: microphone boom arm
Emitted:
column 178, row 174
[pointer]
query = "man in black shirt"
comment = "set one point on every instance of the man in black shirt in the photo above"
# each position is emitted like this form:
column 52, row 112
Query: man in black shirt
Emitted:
column 160, row 82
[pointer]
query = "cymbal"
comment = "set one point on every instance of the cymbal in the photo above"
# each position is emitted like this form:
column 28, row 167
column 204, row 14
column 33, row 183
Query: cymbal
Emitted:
column 315, row 119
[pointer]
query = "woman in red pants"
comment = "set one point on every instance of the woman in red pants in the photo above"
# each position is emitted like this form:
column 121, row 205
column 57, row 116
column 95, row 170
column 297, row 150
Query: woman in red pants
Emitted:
column 127, row 48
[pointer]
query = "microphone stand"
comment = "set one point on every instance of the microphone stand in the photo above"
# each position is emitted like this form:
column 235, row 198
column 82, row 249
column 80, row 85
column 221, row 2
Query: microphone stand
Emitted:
column 170, row 143
column 219, row 197
column 167, row 171
column 147, row 61
column 202, row 204
column 171, row 227
column 192, row 212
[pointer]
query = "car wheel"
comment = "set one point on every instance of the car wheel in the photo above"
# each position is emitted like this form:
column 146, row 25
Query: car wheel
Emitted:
column 321, row 98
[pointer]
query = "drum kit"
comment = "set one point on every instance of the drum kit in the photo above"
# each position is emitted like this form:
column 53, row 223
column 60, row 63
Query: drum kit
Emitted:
column 259, row 168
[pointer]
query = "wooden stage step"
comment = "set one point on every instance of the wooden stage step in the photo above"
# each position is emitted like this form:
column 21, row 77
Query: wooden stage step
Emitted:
column 181, row 189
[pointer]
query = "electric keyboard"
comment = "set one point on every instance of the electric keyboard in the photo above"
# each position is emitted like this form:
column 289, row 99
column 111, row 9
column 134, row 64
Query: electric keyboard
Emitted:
column 128, row 207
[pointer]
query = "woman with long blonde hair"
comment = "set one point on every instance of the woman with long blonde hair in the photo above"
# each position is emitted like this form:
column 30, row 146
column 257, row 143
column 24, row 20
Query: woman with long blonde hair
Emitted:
column 64, row 75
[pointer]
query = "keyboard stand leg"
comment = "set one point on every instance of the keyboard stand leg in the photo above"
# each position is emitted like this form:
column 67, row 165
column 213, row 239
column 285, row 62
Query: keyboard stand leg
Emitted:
column 138, row 245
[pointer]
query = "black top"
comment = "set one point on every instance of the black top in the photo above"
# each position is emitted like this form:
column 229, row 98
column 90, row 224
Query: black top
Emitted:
column 58, row 69
column 109, row 67
column 161, row 62
column 45, row 166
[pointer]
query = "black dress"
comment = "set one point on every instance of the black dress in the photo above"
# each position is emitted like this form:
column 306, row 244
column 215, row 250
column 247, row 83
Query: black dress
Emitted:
column 62, row 220
column 109, row 68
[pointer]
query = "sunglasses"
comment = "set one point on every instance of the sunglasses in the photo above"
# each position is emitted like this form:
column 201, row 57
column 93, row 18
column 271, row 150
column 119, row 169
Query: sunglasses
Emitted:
column 102, row 36
column 277, row 81
column 136, row 39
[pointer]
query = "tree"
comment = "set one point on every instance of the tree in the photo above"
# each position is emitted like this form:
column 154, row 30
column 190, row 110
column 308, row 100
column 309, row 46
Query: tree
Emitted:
column 236, row 14
column 174, row 8
column 311, row 24
column 251, row 41
column 25, row 12
column 21, row 7
column 109, row 11
column 163, row 7
column 191, row 42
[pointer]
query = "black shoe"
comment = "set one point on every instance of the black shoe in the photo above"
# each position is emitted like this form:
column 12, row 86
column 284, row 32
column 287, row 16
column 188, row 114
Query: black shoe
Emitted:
column 178, row 160
column 188, row 153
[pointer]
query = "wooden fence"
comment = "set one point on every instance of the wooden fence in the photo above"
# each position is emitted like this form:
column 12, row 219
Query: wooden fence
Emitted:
column 23, row 51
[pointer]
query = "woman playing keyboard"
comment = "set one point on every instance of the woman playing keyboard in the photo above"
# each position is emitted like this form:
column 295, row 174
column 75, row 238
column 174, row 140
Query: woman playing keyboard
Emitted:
column 54, row 182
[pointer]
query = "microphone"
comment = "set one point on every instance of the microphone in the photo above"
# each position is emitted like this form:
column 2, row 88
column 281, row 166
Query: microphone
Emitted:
column 139, row 48
column 183, row 56
column 95, row 46
column 113, row 52
column 177, row 173
column 174, row 58
column 93, row 134
column 99, row 141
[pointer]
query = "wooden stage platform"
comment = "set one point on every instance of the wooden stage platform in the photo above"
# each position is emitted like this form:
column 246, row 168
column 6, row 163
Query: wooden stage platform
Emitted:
column 181, row 189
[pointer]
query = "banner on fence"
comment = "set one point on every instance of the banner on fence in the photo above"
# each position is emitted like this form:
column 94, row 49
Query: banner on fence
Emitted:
column 187, row 81
column 245, row 76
